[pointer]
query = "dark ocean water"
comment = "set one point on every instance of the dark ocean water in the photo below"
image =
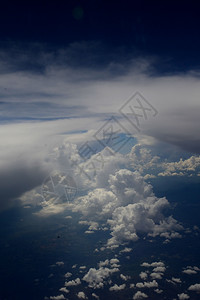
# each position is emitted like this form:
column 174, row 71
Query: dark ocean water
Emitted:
column 30, row 246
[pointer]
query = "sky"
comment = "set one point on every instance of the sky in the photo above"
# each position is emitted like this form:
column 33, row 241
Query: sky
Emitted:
column 103, row 96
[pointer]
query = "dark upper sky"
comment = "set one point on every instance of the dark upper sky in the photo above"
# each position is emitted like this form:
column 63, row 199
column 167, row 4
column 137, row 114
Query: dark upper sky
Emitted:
column 168, row 29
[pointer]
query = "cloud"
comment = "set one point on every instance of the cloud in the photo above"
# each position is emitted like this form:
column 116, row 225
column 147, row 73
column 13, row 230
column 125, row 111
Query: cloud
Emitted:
column 158, row 269
column 60, row 263
column 104, row 263
column 81, row 295
column 128, row 205
column 74, row 266
column 125, row 277
column 60, row 101
column 176, row 280
column 150, row 284
column 95, row 296
column 68, row 274
column 185, row 167
column 114, row 261
column 155, row 264
column 64, row 290
column 143, row 275
column 116, row 287
column 21, row 178
column 59, row 297
column 152, row 165
column 95, row 277
column 156, row 275
column 191, row 270
column 75, row 282
column 195, row 287
column 139, row 295
column 126, row 250
column 183, row 296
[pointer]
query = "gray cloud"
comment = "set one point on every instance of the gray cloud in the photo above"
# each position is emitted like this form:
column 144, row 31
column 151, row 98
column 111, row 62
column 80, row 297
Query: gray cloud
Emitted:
column 17, row 180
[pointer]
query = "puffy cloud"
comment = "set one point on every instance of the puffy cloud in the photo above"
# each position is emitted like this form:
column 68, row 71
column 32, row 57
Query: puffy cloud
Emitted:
column 146, row 265
column 142, row 159
column 98, row 204
column 130, row 208
column 104, row 263
column 68, row 274
column 126, row 250
column 159, row 269
column 125, row 278
column 176, row 280
column 156, row 275
column 183, row 296
column 195, row 287
column 153, row 264
column 114, row 261
column 119, row 198
column 63, row 289
column 60, row 263
column 139, row 295
column 158, row 291
column 59, row 297
column 81, row 295
column 152, row 166
column 95, row 296
column 117, row 287
column 182, row 167
column 191, row 270
column 75, row 282
column 143, row 275
column 95, row 277
column 150, row 284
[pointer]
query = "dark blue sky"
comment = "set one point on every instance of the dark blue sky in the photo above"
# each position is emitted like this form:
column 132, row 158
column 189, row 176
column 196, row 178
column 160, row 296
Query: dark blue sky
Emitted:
column 168, row 29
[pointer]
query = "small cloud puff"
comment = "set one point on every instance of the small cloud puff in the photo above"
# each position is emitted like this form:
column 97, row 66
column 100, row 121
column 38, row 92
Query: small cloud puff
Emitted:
column 60, row 263
column 143, row 275
column 63, row 289
column 191, row 270
column 81, row 295
column 75, row 282
column 59, row 297
column 183, row 296
column 195, row 288
column 96, row 277
column 139, row 295
column 124, row 277
column 117, row 287
column 150, row 284
column 95, row 296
